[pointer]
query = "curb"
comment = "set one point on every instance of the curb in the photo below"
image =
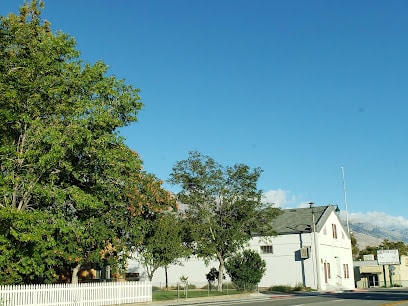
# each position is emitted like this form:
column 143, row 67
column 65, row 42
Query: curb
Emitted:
column 205, row 300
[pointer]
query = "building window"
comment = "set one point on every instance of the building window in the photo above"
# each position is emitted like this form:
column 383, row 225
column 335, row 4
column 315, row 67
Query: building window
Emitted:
column 266, row 249
column 346, row 271
column 334, row 229
column 327, row 273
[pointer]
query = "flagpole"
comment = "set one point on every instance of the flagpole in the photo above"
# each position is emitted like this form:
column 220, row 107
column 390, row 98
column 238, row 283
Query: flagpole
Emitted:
column 345, row 199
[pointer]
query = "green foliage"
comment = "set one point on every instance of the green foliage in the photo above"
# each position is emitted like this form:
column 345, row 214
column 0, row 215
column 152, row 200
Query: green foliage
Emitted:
column 165, row 295
column 225, row 285
column 224, row 206
column 354, row 246
column 281, row 288
column 59, row 119
column 287, row 288
column 63, row 166
column 27, row 247
column 212, row 276
column 300, row 287
column 163, row 243
column 246, row 269
column 394, row 245
column 367, row 250
column 385, row 245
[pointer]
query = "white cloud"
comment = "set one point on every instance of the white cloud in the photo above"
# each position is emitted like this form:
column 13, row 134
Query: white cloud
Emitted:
column 280, row 198
column 378, row 218
column 284, row 199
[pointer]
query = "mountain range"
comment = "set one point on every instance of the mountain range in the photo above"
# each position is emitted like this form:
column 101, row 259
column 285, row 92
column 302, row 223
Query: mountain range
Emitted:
column 372, row 235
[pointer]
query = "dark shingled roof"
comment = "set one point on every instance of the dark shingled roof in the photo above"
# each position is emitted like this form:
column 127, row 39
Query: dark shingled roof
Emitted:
column 294, row 221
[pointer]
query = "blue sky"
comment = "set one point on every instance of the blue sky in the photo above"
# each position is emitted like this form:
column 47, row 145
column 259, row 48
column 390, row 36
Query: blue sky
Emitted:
column 297, row 88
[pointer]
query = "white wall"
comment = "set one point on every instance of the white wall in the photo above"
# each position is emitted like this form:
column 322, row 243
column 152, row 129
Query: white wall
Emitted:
column 195, row 269
column 336, row 252
column 282, row 267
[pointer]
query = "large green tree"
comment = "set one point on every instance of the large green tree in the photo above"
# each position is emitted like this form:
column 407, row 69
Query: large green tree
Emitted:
column 60, row 151
column 163, row 244
column 157, row 240
column 223, row 204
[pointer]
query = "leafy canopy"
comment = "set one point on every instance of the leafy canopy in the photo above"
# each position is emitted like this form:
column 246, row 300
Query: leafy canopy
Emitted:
column 223, row 205
column 61, row 156
column 58, row 118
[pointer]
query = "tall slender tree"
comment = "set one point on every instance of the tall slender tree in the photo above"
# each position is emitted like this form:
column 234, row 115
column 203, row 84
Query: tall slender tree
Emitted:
column 163, row 245
column 224, row 206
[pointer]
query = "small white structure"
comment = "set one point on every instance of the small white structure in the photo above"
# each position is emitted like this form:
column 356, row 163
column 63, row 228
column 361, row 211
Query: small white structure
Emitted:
column 312, row 249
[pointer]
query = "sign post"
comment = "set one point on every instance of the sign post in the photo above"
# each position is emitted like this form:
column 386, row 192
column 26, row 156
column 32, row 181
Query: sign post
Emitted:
column 391, row 269
column 388, row 257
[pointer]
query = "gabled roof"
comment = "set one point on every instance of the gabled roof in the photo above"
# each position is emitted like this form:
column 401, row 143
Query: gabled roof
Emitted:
column 300, row 220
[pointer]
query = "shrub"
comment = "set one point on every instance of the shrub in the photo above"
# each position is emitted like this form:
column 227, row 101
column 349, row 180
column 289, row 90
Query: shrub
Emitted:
column 212, row 277
column 246, row 270
column 287, row 288
column 281, row 288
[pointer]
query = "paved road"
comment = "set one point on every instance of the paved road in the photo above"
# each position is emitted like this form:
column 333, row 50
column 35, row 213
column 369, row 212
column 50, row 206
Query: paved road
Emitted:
column 368, row 298
column 378, row 297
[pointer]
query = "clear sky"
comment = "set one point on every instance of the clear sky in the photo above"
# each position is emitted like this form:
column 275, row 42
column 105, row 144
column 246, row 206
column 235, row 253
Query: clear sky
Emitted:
column 297, row 88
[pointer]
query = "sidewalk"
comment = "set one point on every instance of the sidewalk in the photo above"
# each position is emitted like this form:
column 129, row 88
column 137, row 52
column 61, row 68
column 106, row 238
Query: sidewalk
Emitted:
column 201, row 300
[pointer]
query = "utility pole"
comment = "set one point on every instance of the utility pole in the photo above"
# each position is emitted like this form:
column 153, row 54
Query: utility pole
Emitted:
column 345, row 200
column 315, row 247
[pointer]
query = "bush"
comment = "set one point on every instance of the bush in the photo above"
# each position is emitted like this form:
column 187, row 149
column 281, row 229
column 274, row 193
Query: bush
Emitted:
column 287, row 288
column 281, row 288
column 212, row 277
column 246, row 270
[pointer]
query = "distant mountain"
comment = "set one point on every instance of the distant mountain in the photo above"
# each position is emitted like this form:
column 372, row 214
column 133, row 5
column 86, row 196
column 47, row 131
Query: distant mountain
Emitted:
column 372, row 235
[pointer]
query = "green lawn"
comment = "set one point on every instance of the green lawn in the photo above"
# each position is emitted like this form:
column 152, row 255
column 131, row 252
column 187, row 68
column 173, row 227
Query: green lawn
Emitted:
column 171, row 294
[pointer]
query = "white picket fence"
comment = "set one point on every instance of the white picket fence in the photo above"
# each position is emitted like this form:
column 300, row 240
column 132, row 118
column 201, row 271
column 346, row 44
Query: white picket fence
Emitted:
column 86, row 294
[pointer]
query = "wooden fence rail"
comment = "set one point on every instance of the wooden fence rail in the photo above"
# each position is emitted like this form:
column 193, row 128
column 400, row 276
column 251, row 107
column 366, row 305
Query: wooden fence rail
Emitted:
column 85, row 294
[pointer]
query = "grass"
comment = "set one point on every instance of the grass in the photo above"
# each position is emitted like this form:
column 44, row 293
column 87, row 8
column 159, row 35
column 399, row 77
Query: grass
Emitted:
column 171, row 294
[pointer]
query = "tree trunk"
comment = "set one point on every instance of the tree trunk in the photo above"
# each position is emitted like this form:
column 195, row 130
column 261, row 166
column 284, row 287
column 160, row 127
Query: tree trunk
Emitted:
column 167, row 278
column 220, row 273
column 74, row 278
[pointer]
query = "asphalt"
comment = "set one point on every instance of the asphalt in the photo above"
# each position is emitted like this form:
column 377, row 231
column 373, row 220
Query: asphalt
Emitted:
column 232, row 297
column 213, row 299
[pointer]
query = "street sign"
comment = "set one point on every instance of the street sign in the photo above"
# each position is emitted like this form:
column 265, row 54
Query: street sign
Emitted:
column 388, row 257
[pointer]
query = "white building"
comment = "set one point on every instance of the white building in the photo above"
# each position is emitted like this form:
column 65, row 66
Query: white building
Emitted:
column 312, row 249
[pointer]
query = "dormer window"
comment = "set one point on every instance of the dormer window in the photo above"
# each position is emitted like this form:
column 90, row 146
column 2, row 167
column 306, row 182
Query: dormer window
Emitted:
column 334, row 229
